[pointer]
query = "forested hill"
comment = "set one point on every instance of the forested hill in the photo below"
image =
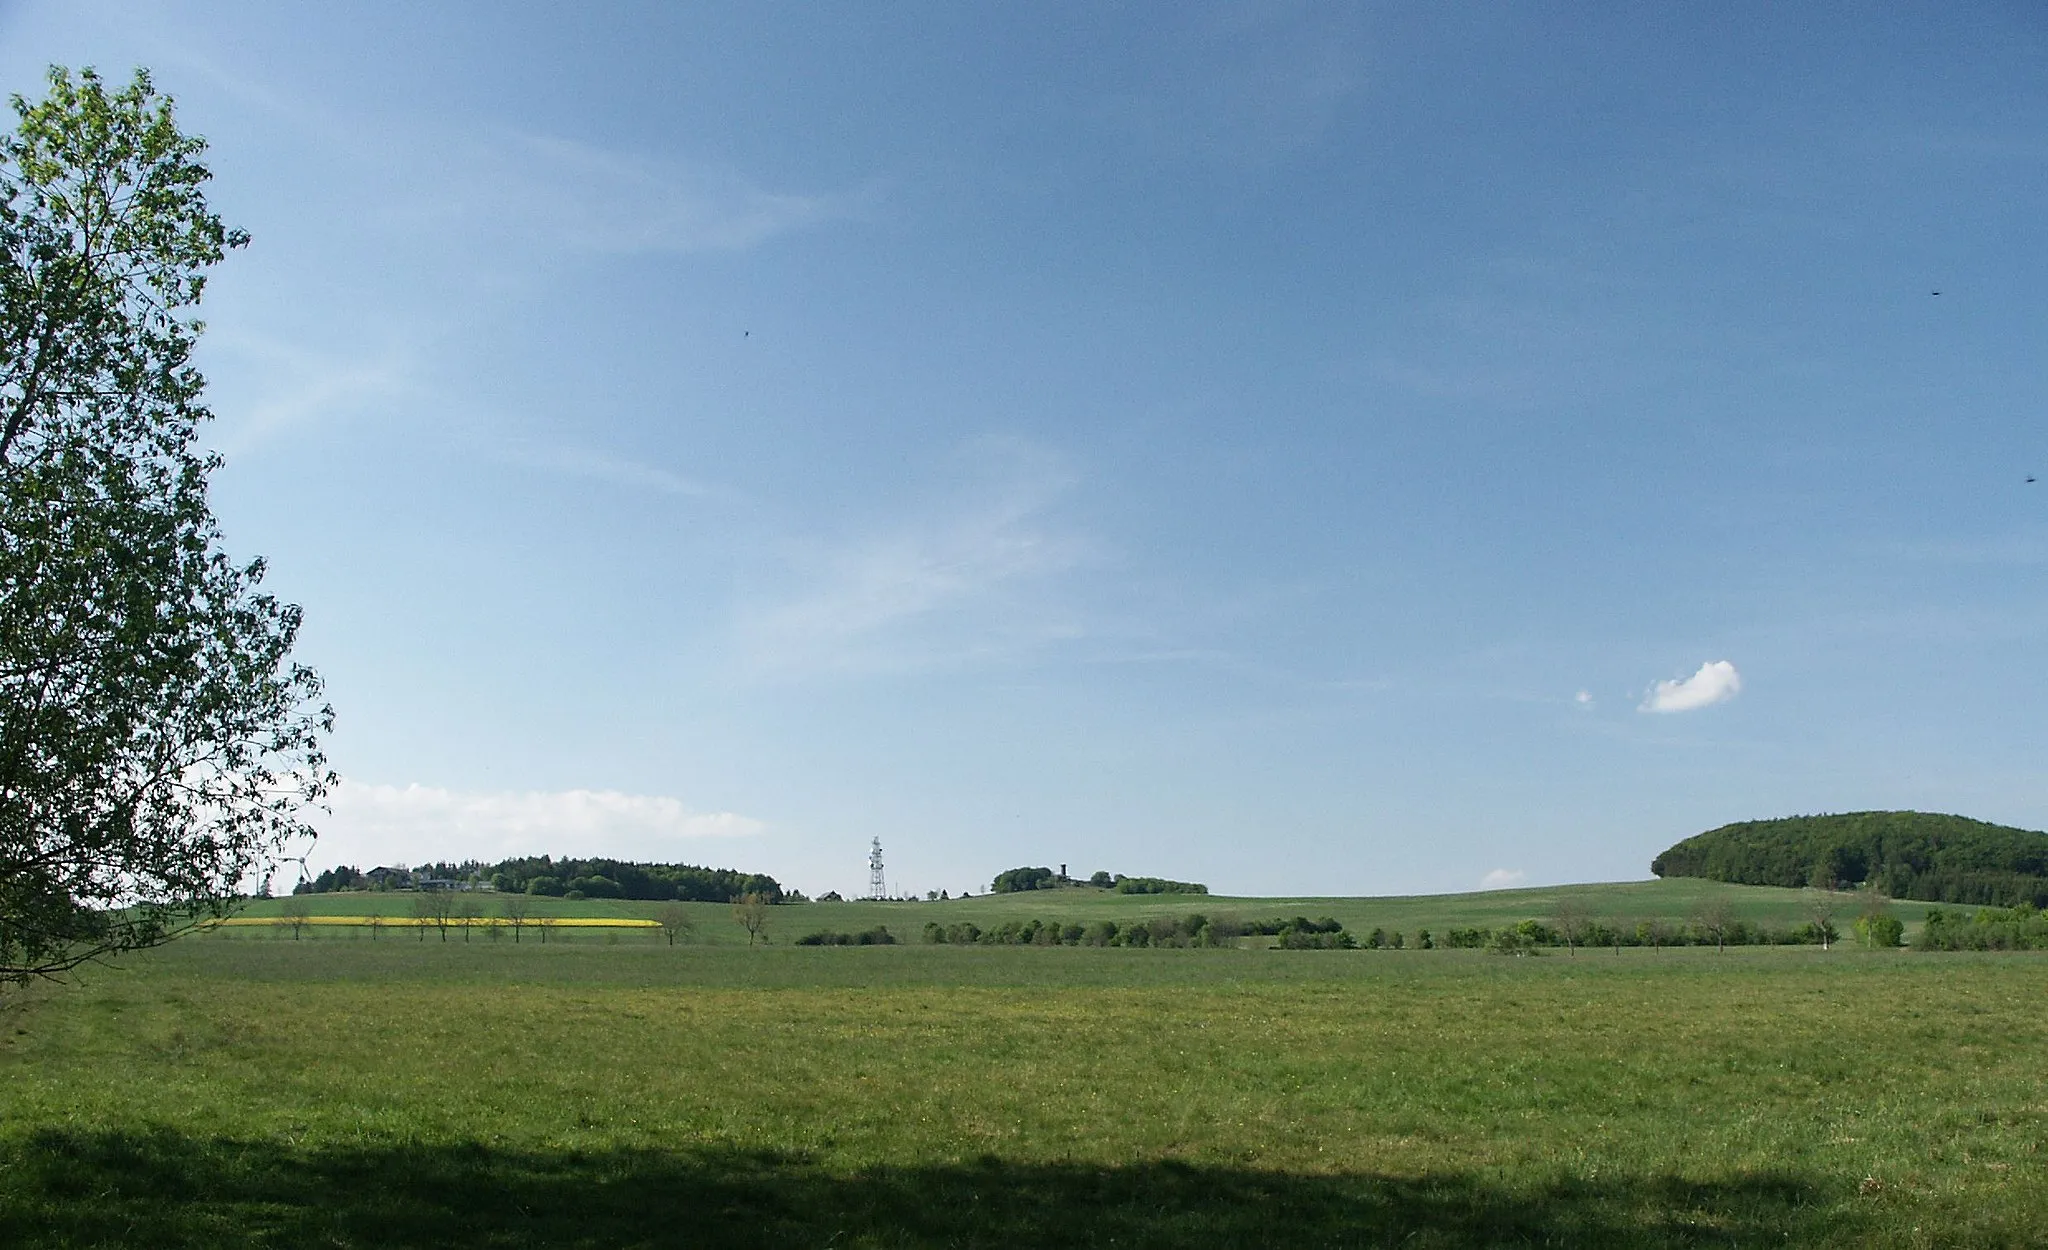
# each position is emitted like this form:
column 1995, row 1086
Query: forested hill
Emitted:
column 573, row 878
column 1918, row 855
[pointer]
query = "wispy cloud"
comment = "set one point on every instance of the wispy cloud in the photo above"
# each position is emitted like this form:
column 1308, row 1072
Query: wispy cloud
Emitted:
column 605, row 467
column 1240, row 85
column 385, row 823
column 595, row 199
column 274, row 386
column 1502, row 879
column 970, row 580
column 1715, row 682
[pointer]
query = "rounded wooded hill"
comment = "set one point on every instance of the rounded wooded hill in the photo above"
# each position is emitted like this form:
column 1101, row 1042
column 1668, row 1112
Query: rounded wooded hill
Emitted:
column 1918, row 855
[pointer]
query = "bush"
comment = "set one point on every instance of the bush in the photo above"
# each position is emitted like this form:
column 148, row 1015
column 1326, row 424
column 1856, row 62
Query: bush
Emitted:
column 1017, row 879
column 1881, row 931
column 877, row 936
column 1991, row 929
column 1292, row 939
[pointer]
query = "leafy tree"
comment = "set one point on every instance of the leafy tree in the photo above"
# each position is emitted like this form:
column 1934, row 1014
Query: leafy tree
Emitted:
column 1715, row 918
column 1571, row 920
column 1101, row 880
column 676, row 924
column 517, row 908
column 468, row 910
column 428, row 907
column 157, row 744
column 751, row 911
column 293, row 914
column 1881, row 931
column 1820, row 905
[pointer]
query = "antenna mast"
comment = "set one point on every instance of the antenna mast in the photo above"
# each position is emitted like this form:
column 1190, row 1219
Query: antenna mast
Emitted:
column 877, row 888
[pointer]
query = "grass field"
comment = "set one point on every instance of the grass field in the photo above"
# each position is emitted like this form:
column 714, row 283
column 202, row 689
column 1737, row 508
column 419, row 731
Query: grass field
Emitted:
column 342, row 1092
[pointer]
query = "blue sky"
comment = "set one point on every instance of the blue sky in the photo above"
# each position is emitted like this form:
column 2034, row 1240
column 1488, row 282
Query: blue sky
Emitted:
column 1284, row 446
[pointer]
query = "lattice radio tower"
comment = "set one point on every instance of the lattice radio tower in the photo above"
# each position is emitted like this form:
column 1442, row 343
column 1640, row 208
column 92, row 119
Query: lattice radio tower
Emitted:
column 877, row 887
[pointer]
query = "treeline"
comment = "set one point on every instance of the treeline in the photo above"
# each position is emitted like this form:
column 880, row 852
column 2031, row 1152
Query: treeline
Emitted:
column 1016, row 880
column 1908, row 855
column 1193, row 930
column 582, row 878
column 1155, row 885
column 2022, row 928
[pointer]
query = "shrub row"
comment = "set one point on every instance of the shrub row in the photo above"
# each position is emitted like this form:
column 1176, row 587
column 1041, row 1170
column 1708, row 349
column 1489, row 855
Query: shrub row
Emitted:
column 1175, row 931
column 1653, row 933
column 2022, row 928
column 877, row 936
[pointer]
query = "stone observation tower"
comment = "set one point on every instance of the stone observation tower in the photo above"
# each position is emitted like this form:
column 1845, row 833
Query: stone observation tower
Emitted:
column 877, row 887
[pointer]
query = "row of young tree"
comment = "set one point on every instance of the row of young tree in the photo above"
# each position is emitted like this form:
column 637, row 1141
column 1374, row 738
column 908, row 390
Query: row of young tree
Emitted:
column 444, row 912
column 546, row 877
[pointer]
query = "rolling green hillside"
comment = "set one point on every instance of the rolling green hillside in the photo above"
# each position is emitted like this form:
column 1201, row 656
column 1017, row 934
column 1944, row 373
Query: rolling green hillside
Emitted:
column 1907, row 855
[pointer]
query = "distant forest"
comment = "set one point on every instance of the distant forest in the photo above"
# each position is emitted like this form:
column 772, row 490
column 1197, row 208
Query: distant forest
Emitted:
column 578, row 878
column 1907, row 855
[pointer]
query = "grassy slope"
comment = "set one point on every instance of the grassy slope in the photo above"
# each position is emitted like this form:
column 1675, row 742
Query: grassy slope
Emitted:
column 1672, row 900
column 273, row 1093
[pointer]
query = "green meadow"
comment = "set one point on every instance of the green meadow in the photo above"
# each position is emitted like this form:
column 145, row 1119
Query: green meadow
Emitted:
column 246, row 1088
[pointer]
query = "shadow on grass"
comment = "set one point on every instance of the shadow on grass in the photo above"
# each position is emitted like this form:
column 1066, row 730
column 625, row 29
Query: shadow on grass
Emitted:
column 165, row 1189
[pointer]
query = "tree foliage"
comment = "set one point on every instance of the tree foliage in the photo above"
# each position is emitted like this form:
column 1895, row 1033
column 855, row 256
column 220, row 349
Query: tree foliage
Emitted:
column 1157, row 885
column 613, row 878
column 2021, row 928
column 750, row 911
column 1013, row 880
column 157, row 743
column 1908, row 855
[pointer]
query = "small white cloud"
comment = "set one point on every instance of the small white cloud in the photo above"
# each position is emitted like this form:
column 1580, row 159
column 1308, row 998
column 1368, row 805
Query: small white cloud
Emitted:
column 1501, row 879
column 1583, row 698
column 374, row 824
column 1716, row 682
